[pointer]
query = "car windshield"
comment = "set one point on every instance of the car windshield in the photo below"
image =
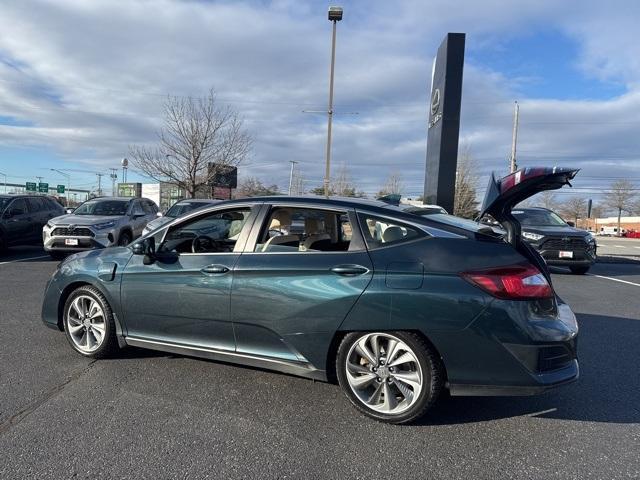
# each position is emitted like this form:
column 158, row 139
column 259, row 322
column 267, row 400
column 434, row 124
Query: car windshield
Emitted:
column 181, row 208
column 102, row 207
column 538, row 218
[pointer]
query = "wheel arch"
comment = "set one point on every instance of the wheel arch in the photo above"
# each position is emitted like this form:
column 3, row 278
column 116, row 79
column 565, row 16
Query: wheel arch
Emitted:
column 125, row 229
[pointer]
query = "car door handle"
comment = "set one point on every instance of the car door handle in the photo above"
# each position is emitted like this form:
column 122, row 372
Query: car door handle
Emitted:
column 215, row 269
column 349, row 270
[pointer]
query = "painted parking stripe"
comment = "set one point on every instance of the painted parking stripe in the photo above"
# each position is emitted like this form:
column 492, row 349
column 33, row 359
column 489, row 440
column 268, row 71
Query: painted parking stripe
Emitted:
column 24, row 259
column 614, row 279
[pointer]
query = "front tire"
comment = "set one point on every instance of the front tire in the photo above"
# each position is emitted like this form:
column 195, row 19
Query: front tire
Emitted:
column 393, row 377
column 579, row 270
column 88, row 323
column 124, row 239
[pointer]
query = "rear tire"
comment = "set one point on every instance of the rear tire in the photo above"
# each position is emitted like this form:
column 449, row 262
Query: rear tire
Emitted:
column 393, row 377
column 579, row 270
column 124, row 239
column 88, row 323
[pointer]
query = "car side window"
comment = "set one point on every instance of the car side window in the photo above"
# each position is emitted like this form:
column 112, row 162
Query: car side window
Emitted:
column 305, row 230
column 18, row 207
column 214, row 232
column 36, row 204
column 149, row 207
column 381, row 232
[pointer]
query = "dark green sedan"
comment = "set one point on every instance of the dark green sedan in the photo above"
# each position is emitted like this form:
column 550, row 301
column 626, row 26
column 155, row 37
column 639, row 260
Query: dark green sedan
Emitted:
column 395, row 307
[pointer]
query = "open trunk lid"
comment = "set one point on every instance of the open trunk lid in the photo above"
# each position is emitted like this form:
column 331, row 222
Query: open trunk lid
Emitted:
column 505, row 193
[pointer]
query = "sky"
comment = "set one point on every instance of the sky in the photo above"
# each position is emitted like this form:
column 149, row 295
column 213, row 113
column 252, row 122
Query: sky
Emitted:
column 82, row 80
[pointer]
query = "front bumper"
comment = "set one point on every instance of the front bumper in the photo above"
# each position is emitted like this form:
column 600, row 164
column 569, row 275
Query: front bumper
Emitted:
column 580, row 257
column 90, row 239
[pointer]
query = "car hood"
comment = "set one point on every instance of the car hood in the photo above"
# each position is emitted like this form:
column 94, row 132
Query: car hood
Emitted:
column 82, row 220
column 556, row 230
column 158, row 222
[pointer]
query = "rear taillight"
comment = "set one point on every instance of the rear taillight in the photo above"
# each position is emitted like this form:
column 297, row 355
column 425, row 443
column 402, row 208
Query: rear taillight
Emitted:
column 512, row 282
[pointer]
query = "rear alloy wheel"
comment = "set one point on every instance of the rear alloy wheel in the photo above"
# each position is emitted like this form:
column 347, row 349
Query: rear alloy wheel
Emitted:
column 88, row 323
column 579, row 270
column 125, row 239
column 393, row 377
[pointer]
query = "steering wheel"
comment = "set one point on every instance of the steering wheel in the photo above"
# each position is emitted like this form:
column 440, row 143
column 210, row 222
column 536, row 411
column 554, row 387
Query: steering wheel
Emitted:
column 204, row 243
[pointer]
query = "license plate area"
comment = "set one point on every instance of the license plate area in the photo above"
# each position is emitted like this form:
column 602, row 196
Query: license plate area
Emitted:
column 71, row 241
column 564, row 254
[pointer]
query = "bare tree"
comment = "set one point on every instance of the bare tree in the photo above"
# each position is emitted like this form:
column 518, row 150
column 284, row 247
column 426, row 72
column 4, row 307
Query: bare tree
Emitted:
column 464, row 201
column 392, row 186
column 341, row 185
column 619, row 197
column 574, row 208
column 252, row 187
column 196, row 132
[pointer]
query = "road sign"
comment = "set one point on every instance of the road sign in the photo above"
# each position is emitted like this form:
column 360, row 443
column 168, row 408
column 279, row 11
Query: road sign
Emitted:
column 43, row 187
column 31, row 186
column 60, row 188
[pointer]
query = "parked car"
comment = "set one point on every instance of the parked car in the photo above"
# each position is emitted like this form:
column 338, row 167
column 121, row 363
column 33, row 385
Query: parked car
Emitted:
column 178, row 209
column 98, row 223
column 23, row 216
column 558, row 242
column 396, row 306
column 612, row 232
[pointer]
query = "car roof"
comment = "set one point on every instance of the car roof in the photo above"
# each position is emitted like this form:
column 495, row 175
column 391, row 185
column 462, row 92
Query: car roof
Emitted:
column 529, row 209
column 199, row 200
column 115, row 198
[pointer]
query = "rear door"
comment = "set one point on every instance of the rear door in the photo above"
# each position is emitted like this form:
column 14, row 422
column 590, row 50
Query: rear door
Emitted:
column 303, row 269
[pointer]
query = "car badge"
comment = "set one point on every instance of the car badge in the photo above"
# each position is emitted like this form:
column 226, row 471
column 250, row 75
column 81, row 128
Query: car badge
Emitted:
column 565, row 239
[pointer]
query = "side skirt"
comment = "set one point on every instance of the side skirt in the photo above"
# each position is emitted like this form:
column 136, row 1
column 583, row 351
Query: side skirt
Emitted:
column 285, row 366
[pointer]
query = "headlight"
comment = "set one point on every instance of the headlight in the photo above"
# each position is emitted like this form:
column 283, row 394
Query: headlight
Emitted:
column 591, row 238
column 532, row 236
column 102, row 226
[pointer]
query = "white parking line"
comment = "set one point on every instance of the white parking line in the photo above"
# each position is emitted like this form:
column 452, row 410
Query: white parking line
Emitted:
column 24, row 259
column 614, row 279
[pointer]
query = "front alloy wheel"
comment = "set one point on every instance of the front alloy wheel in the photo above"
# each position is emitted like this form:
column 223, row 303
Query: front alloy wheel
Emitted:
column 88, row 323
column 390, row 376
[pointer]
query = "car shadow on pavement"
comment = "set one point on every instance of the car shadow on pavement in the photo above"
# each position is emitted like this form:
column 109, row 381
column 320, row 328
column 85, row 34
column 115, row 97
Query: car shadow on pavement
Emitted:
column 608, row 389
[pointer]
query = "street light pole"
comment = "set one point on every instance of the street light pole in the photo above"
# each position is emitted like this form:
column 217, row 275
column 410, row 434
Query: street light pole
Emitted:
column 5, row 181
column 335, row 15
column 68, row 181
column 293, row 164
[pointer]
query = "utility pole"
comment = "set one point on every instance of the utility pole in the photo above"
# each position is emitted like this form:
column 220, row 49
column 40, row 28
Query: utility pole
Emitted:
column 99, row 175
column 293, row 165
column 114, row 177
column 514, row 141
column 335, row 15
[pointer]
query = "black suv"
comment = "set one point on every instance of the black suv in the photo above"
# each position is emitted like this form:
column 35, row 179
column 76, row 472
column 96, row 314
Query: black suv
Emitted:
column 558, row 242
column 23, row 216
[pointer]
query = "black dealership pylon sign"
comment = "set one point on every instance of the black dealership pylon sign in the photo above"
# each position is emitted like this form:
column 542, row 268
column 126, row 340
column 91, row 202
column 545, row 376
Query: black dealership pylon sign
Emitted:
column 444, row 122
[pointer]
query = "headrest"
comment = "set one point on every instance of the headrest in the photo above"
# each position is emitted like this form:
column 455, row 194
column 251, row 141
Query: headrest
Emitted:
column 392, row 234
column 312, row 226
column 282, row 216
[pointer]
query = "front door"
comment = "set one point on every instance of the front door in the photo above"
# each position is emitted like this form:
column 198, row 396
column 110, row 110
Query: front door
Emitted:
column 183, row 297
column 306, row 269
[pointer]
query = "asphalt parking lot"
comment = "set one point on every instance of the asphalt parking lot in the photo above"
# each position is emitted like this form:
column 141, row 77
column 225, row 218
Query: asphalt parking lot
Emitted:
column 156, row 415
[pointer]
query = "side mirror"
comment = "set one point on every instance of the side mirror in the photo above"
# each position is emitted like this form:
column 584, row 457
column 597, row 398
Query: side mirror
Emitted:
column 571, row 224
column 69, row 210
column 147, row 246
column 159, row 214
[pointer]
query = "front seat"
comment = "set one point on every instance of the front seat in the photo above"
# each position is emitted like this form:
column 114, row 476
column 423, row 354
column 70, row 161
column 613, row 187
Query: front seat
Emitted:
column 314, row 235
column 281, row 220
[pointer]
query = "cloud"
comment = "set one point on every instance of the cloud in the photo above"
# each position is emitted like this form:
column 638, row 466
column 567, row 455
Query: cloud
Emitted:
column 86, row 79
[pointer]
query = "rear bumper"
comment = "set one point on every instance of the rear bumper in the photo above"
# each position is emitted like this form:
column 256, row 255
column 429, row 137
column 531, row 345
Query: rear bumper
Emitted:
column 543, row 383
column 511, row 350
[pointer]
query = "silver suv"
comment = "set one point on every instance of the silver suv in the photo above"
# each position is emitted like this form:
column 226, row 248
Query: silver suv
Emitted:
column 98, row 223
